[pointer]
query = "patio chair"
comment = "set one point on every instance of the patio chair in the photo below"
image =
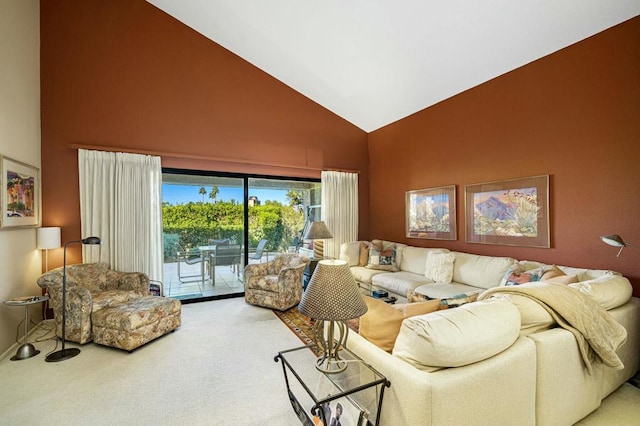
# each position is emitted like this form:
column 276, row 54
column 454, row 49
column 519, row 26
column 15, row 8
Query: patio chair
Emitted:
column 223, row 255
column 189, row 257
column 257, row 255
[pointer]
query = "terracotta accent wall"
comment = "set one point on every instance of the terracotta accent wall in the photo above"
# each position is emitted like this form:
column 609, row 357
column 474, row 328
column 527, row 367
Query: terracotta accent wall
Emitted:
column 574, row 115
column 123, row 74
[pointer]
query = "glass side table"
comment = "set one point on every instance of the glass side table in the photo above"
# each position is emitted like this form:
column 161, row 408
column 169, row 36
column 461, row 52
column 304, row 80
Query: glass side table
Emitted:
column 26, row 350
column 351, row 397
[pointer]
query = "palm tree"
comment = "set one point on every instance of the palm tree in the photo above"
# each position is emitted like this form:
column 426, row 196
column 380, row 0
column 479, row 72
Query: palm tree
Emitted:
column 202, row 192
column 214, row 193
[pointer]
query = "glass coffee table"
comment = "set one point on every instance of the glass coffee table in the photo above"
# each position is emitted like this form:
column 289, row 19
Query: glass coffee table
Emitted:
column 352, row 397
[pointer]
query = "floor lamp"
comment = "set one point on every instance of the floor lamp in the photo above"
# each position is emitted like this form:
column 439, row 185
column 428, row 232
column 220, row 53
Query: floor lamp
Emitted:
column 64, row 353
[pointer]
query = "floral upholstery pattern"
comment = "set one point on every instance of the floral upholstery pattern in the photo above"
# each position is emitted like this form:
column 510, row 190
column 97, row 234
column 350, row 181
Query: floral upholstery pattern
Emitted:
column 136, row 322
column 90, row 287
column 276, row 284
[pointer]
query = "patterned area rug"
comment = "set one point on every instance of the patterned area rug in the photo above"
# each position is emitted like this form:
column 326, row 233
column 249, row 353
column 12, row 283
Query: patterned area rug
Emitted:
column 299, row 324
column 302, row 326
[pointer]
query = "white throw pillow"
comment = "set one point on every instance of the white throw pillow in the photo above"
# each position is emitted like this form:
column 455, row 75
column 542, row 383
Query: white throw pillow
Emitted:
column 439, row 267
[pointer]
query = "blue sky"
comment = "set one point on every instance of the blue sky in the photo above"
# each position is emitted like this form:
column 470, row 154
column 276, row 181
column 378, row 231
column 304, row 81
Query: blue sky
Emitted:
column 182, row 194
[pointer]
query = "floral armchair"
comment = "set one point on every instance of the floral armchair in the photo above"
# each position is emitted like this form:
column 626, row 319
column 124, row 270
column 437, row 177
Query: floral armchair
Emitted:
column 90, row 287
column 276, row 284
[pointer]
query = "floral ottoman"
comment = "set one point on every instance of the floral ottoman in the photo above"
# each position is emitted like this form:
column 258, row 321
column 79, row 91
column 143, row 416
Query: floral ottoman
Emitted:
column 136, row 322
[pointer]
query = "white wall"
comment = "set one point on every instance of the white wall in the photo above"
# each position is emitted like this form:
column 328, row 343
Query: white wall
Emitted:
column 20, row 262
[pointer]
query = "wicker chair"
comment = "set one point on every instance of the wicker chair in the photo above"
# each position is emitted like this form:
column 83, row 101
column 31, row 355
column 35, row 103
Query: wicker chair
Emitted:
column 276, row 284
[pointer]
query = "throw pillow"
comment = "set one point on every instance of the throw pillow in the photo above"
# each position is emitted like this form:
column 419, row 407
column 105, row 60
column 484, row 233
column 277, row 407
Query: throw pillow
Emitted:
column 382, row 259
column 555, row 275
column 459, row 300
column 516, row 275
column 439, row 267
column 381, row 324
column 364, row 254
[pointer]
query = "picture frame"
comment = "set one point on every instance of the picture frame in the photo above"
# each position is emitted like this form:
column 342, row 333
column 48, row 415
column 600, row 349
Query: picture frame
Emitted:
column 431, row 213
column 20, row 197
column 512, row 212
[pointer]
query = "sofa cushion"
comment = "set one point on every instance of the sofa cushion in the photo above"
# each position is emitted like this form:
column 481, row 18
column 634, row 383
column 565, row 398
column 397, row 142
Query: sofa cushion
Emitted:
column 363, row 274
column 414, row 258
column 609, row 290
column 382, row 258
column 381, row 324
column 480, row 271
column 439, row 267
column 457, row 337
column 399, row 282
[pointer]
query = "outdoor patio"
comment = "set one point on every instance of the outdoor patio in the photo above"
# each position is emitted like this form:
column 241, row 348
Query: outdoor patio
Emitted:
column 227, row 280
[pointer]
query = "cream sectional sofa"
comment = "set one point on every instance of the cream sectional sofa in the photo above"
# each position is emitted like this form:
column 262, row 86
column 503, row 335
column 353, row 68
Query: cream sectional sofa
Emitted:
column 499, row 361
column 471, row 273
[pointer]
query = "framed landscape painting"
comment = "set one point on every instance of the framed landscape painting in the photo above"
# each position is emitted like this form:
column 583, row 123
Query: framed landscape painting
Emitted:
column 510, row 212
column 20, row 188
column 431, row 213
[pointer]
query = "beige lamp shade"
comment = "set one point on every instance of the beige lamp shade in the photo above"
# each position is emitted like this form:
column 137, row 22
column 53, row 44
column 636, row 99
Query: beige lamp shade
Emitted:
column 318, row 231
column 332, row 293
column 48, row 238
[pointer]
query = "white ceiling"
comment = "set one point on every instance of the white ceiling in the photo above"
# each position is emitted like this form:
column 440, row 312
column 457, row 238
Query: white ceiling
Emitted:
column 374, row 62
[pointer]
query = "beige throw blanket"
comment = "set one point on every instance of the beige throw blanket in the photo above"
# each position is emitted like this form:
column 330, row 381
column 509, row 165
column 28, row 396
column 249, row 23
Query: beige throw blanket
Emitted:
column 597, row 333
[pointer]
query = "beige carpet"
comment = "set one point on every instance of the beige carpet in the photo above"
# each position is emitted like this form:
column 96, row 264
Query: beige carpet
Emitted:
column 217, row 369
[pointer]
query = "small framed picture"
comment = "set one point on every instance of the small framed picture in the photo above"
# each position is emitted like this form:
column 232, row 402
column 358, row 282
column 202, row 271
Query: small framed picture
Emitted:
column 431, row 213
column 20, row 194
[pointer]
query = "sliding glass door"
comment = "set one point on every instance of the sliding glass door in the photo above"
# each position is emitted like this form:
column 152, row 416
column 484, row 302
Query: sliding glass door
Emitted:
column 215, row 223
column 203, row 235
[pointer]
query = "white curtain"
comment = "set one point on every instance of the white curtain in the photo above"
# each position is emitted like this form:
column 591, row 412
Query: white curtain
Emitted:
column 339, row 209
column 121, row 202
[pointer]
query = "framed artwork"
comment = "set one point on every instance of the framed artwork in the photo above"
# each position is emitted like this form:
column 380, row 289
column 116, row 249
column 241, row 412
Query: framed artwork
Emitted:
column 431, row 213
column 510, row 212
column 20, row 194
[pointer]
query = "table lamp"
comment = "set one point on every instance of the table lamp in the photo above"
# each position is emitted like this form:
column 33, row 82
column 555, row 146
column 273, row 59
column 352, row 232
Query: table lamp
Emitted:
column 64, row 353
column 47, row 238
column 616, row 241
column 332, row 295
column 317, row 232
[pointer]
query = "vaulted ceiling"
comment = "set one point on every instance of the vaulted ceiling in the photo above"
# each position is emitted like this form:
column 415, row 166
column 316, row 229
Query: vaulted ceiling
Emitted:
column 373, row 62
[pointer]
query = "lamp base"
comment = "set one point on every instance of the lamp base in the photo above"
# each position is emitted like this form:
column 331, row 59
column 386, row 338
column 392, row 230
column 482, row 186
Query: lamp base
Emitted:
column 330, row 345
column 330, row 365
column 62, row 355
column 25, row 351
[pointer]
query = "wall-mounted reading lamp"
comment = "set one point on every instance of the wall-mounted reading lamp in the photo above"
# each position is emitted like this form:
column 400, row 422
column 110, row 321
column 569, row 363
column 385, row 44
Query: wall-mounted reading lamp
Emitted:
column 616, row 241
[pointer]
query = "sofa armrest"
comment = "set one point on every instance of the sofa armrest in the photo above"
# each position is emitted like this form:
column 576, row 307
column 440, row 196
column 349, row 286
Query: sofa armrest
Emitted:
column 78, row 315
column 496, row 390
column 133, row 281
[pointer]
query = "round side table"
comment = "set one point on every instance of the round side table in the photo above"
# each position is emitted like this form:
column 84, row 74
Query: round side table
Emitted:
column 26, row 350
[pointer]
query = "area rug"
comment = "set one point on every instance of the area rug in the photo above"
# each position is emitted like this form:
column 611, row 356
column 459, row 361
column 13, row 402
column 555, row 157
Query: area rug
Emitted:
column 299, row 324
column 302, row 326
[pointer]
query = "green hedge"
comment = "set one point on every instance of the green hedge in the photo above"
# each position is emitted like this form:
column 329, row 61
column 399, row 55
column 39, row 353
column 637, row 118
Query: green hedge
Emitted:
column 194, row 224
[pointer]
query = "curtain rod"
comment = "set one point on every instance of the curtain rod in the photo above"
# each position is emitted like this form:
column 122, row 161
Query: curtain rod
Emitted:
column 205, row 158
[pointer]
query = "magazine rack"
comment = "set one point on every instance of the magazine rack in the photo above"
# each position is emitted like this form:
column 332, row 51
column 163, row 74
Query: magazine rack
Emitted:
column 354, row 395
